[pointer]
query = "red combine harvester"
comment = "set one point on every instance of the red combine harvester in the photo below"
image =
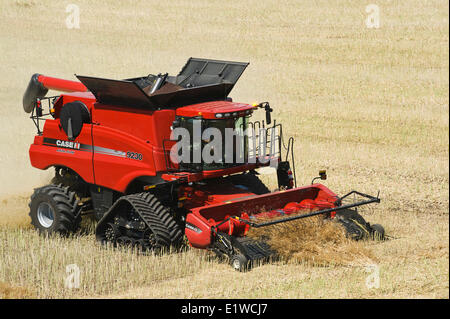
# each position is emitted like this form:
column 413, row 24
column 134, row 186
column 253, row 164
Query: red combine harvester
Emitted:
column 110, row 143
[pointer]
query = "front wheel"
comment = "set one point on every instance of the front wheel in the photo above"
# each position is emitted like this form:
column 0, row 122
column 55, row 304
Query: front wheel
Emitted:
column 240, row 263
column 355, row 225
column 55, row 209
column 378, row 232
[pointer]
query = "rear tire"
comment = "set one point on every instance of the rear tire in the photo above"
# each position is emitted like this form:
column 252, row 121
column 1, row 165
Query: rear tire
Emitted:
column 55, row 209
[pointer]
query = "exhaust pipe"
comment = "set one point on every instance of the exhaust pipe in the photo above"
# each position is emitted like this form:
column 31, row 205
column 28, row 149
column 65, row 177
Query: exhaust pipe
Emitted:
column 40, row 84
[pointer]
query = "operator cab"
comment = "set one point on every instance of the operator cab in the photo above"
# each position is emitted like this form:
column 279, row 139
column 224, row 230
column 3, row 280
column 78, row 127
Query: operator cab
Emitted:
column 207, row 125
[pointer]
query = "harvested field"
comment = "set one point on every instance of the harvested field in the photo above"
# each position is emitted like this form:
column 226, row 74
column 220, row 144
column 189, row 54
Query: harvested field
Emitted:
column 369, row 105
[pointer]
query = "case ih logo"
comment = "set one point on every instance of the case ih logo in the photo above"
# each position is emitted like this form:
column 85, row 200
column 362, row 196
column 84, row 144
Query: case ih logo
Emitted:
column 193, row 228
column 89, row 148
column 68, row 144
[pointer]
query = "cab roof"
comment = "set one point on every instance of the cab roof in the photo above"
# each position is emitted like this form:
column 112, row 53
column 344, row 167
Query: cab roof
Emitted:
column 210, row 110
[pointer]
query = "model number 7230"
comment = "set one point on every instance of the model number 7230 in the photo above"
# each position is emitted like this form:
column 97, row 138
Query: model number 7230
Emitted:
column 135, row 156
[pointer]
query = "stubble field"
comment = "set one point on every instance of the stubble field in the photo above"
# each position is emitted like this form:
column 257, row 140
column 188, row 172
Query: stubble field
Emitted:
column 369, row 105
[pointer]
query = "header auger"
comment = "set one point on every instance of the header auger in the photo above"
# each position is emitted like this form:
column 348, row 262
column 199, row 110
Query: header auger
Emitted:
column 116, row 155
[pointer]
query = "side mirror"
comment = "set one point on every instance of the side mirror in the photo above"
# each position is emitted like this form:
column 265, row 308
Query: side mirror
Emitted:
column 323, row 174
column 268, row 110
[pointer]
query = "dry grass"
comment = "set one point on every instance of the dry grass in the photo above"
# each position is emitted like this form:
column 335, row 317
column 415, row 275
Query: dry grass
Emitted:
column 369, row 105
column 314, row 241
column 39, row 263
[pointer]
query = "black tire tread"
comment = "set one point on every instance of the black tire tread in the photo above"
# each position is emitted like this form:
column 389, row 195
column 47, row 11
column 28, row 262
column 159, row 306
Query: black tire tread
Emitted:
column 155, row 215
column 66, row 204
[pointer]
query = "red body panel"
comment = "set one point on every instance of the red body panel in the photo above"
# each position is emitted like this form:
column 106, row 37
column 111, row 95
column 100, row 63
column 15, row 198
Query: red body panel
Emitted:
column 112, row 131
column 86, row 97
column 45, row 153
column 198, row 231
column 113, row 168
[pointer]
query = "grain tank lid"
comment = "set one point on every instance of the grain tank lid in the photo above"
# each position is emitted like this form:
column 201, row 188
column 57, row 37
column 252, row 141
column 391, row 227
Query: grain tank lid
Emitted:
column 202, row 72
column 129, row 94
column 116, row 92
column 200, row 80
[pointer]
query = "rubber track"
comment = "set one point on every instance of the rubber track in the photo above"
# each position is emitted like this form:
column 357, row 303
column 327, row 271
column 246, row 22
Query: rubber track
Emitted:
column 156, row 216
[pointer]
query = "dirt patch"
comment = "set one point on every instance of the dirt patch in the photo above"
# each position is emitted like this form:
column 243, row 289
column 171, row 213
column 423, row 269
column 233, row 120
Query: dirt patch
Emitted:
column 14, row 211
column 13, row 292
